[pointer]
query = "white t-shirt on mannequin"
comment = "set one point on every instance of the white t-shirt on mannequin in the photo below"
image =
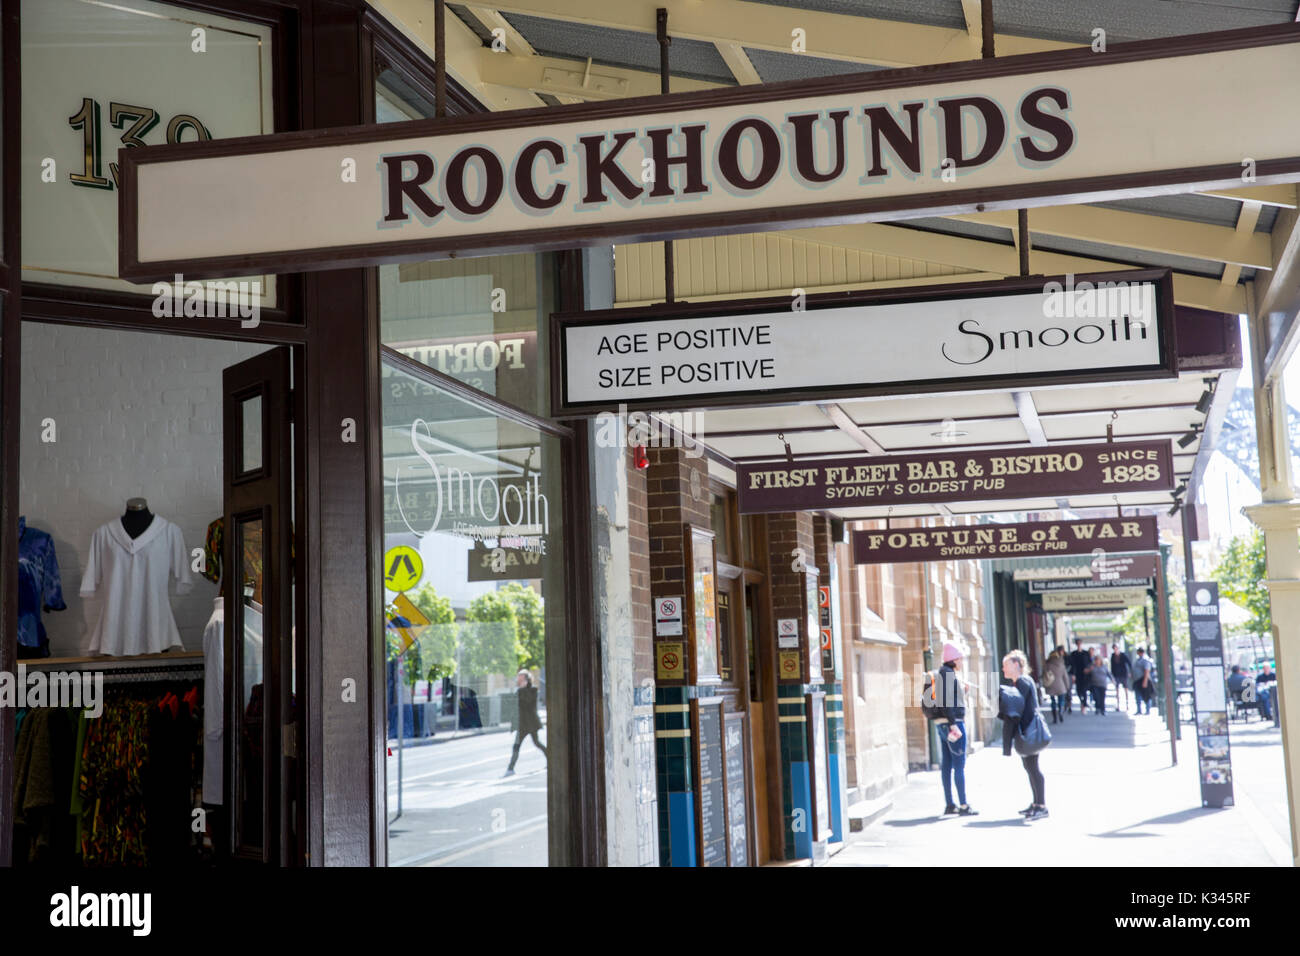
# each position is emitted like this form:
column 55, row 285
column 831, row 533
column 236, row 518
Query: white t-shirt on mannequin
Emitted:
column 131, row 577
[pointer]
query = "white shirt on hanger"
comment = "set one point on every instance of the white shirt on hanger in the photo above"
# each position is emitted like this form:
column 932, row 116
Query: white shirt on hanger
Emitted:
column 131, row 575
column 214, row 695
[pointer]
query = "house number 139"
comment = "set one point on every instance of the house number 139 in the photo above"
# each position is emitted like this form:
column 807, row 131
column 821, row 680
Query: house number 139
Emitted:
column 142, row 119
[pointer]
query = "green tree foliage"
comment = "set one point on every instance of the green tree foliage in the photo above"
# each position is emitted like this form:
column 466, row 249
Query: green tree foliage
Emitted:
column 433, row 655
column 437, row 643
column 527, row 605
column 1241, row 576
column 489, row 638
column 1135, row 633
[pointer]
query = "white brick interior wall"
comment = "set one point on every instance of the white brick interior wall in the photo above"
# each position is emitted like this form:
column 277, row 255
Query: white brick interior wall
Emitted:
column 137, row 415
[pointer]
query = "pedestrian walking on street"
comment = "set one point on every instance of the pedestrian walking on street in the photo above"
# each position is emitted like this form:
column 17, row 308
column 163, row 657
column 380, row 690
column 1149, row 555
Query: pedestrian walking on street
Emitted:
column 1015, row 668
column 950, row 720
column 526, row 723
column 1100, row 679
column 1142, row 686
column 1119, row 669
column 1079, row 661
column 1056, row 681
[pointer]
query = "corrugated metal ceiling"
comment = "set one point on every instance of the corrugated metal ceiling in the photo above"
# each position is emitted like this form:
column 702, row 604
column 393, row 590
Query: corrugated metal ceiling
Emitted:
column 775, row 67
column 1071, row 22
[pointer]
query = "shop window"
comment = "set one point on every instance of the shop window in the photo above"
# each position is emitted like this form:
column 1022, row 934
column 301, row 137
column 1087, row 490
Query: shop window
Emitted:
column 475, row 320
column 97, row 77
column 481, row 321
column 474, row 591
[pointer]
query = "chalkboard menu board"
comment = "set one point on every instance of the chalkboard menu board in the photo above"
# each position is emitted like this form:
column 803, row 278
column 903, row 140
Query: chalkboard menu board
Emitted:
column 737, row 787
column 711, row 809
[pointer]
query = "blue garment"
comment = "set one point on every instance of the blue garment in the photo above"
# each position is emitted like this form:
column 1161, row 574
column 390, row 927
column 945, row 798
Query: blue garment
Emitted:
column 39, row 585
column 952, row 762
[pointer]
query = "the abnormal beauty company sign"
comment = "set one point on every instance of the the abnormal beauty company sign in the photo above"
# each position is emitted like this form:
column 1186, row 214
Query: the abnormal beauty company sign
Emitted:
column 1070, row 328
column 955, row 476
column 958, row 137
column 1026, row 540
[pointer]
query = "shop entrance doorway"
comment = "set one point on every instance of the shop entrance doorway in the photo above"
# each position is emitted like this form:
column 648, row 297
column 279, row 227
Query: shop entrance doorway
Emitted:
column 156, row 551
column 260, row 717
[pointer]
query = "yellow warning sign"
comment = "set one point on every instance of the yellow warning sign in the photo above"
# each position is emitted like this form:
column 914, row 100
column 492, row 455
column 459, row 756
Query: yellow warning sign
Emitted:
column 668, row 662
column 406, row 621
column 403, row 568
column 789, row 665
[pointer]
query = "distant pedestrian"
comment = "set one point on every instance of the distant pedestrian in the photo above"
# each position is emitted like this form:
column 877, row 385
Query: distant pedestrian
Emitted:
column 1014, row 668
column 1056, row 681
column 1119, row 669
column 950, row 721
column 1265, row 685
column 1143, row 689
column 1236, row 681
column 1080, row 661
column 526, row 723
column 1099, row 678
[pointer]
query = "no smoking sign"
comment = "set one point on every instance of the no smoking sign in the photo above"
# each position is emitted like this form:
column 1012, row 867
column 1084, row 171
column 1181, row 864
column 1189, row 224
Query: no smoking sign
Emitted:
column 668, row 662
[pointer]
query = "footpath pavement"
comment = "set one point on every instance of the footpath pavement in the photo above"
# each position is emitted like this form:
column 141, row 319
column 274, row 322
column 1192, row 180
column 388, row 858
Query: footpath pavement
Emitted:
column 1114, row 800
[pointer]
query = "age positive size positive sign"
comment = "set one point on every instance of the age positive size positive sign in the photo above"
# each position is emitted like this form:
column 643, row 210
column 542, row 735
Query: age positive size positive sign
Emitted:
column 992, row 333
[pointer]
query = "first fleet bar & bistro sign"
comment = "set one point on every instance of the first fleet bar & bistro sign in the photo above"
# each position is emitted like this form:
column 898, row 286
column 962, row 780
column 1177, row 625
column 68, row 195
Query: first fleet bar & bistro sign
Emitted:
column 1069, row 125
column 955, row 476
column 1025, row 540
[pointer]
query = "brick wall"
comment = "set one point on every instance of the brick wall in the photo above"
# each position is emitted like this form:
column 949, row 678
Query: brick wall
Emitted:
column 638, row 527
column 785, row 533
column 673, row 497
column 137, row 414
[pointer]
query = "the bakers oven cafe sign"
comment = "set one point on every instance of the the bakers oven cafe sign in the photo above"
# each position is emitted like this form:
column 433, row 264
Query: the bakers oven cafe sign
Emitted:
column 889, row 144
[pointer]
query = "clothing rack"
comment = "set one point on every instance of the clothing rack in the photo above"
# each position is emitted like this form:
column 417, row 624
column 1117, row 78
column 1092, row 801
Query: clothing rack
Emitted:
column 147, row 668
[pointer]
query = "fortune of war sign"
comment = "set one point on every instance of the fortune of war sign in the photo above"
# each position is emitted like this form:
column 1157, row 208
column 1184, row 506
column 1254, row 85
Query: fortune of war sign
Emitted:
column 955, row 476
column 1026, row 540
column 958, row 137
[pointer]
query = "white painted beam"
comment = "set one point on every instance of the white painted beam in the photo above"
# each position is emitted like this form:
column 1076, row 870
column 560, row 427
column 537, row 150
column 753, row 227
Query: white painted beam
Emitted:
column 1135, row 230
column 991, row 257
column 558, row 76
column 738, row 62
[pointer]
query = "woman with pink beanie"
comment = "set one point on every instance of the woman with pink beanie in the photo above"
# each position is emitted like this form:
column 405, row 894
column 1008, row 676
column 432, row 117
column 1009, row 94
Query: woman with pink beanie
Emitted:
column 951, row 715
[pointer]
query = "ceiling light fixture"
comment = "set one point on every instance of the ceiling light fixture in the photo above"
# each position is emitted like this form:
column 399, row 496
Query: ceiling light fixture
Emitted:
column 1207, row 397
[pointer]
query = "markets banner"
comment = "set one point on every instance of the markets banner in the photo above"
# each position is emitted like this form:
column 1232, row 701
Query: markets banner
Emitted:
column 956, row 476
column 1210, row 694
column 939, row 139
column 1031, row 539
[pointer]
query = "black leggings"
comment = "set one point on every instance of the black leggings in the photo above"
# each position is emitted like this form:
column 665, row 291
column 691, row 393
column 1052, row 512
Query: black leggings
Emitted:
column 1036, row 782
column 519, row 739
